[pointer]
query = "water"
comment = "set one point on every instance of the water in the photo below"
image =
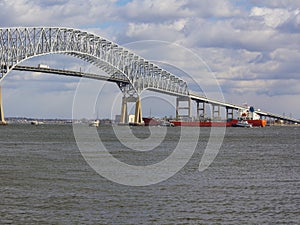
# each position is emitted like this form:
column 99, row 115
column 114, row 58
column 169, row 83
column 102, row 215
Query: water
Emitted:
column 255, row 179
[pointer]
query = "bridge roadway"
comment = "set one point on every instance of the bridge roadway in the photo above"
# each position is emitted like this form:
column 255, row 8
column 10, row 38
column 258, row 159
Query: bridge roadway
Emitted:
column 120, row 79
column 196, row 97
column 71, row 73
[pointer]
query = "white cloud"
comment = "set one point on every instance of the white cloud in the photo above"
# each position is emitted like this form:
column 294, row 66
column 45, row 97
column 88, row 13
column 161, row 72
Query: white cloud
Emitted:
column 61, row 13
column 292, row 25
column 213, row 8
column 165, row 31
column 284, row 4
column 252, row 48
column 155, row 10
column 272, row 17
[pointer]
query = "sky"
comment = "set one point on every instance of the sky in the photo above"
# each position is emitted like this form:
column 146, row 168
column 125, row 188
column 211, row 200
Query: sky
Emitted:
column 252, row 48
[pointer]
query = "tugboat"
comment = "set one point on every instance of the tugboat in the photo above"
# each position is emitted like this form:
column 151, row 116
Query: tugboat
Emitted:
column 242, row 123
column 248, row 115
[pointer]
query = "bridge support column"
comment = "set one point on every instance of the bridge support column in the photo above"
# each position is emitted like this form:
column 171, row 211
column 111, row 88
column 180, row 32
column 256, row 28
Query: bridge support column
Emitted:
column 201, row 110
column 216, row 112
column 138, row 111
column 229, row 113
column 2, row 120
column 138, row 120
column 124, row 113
column 187, row 108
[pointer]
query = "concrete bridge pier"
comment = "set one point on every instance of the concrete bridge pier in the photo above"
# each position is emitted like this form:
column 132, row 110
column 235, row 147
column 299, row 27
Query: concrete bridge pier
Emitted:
column 2, row 119
column 124, row 113
column 183, row 105
column 216, row 112
column 138, row 120
column 201, row 110
column 229, row 113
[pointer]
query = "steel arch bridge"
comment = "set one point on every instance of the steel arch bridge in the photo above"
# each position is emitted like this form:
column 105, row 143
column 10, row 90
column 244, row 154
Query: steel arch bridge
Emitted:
column 19, row 44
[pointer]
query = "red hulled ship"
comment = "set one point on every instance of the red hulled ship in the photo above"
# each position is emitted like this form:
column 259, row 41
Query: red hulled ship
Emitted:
column 248, row 114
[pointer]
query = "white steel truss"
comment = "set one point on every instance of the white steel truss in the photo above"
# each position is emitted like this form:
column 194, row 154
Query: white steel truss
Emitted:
column 19, row 44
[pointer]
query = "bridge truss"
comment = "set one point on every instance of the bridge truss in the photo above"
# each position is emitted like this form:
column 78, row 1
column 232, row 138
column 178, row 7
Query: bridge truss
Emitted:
column 19, row 44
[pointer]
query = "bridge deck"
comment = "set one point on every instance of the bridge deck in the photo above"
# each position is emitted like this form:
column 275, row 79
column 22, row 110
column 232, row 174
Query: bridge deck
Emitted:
column 193, row 96
column 237, row 107
column 71, row 73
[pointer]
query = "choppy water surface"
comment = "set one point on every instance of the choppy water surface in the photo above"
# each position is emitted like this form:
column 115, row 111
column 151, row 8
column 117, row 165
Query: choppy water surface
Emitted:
column 255, row 179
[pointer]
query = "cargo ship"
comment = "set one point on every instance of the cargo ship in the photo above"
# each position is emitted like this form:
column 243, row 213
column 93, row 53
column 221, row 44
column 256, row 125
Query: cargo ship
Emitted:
column 229, row 123
column 204, row 123
column 248, row 115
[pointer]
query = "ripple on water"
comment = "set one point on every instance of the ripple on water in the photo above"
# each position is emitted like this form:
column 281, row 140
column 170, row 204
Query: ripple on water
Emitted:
column 255, row 179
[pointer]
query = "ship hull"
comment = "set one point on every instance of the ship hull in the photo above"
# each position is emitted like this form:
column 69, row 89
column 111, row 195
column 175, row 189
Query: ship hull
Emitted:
column 151, row 122
column 254, row 123
column 202, row 124
column 157, row 122
column 257, row 123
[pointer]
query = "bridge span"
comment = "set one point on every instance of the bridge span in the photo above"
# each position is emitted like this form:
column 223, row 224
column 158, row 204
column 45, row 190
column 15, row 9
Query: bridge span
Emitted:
column 17, row 44
column 216, row 104
column 116, row 79
column 230, row 106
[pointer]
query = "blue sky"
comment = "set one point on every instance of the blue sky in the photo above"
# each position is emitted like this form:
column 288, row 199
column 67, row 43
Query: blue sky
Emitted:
column 122, row 2
column 252, row 47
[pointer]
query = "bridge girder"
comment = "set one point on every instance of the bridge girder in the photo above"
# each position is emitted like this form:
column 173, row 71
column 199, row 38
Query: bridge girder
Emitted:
column 20, row 44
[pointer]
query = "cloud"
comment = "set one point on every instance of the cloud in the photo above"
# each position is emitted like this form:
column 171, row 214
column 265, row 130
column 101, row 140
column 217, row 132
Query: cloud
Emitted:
column 284, row 4
column 271, row 17
column 152, row 11
column 55, row 13
column 224, row 34
column 278, row 18
column 283, row 65
column 166, row 31
column 168, row 11
column 213, row 9
column 251, row 46
column 292, row 25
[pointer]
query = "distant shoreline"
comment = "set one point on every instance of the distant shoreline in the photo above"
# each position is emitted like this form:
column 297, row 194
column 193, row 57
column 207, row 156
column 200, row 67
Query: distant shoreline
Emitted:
column 25, row 120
